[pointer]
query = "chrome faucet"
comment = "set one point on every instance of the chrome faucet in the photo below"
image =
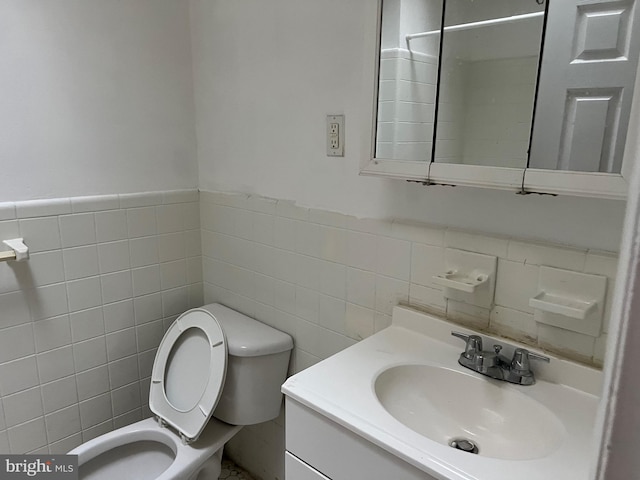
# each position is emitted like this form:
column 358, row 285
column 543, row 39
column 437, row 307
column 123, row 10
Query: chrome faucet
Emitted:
column 494, row 365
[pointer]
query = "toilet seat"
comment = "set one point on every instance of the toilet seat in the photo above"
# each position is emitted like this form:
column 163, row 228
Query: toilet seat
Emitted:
column 189, row 373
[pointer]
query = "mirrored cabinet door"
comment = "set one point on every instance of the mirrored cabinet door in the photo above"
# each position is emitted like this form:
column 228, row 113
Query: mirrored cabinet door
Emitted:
column 490, row 56
column 408, row 79
column 522, row 95
column 586, row 85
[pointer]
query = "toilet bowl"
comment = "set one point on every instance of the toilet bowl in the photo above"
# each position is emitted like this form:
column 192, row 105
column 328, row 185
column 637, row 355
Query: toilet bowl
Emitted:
column 215, row 371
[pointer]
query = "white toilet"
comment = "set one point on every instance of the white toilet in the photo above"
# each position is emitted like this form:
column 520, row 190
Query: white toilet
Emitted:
column 212, row 361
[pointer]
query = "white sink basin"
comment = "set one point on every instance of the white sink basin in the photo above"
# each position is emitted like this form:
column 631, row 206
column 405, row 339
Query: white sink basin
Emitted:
column 403, row 390
column 444, row 405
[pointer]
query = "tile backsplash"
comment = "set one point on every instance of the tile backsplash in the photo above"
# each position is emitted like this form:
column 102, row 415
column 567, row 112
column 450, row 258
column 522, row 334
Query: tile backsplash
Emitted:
column 80, row 321
column 331, row 280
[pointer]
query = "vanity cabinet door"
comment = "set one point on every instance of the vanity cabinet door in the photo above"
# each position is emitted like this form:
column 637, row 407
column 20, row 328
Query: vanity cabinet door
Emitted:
column 295, row 469
column 586, row 85
column 338, row 453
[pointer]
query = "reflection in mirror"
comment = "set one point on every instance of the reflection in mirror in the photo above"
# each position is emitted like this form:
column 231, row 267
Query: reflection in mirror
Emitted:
column 408, row 79
column 490, row 56
column 587, row 79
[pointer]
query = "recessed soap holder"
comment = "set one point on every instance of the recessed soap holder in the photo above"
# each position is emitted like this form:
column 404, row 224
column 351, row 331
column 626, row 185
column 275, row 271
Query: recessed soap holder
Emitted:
column 469, row 277
column 570, row 300
column 563, row 305
column 463, row 281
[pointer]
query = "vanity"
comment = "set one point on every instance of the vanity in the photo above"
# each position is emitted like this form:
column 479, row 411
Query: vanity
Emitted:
column 399, row 405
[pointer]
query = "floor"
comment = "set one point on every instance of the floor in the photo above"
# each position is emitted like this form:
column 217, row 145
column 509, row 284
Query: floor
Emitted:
column 231, row 471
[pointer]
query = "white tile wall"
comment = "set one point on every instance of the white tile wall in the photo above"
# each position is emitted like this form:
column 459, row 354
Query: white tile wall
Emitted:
column 338, row 277
column 331, row 280
column 81, row 320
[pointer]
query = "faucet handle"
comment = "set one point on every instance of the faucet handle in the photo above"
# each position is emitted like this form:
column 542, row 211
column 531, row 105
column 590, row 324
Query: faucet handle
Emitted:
column 473, row 343
column 520, row 363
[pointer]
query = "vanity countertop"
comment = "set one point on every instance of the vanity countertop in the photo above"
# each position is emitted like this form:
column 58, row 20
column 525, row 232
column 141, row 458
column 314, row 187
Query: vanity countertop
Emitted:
column 342, row 388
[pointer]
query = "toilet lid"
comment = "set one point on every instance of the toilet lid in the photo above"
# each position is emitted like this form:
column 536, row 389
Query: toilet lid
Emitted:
column 189, row 372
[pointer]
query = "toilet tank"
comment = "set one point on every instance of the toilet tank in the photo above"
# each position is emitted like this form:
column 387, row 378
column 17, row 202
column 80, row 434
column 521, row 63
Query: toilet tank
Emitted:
column 257, row 364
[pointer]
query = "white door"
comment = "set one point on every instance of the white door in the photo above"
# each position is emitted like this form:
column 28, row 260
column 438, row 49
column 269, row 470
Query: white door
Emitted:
column 586, row 83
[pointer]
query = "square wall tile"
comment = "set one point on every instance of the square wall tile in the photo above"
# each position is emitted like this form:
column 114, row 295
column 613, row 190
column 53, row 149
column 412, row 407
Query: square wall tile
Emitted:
column 15, row 309
column 59, row 394
column 90, row 353
column 516, row 283
column 18, row 375
column 93, row 382
column 80, row 262
column 393, row 258
column 143, row 251
column 22, row 406
column 141, row 222
column 52, row 333
column 55, row 364
column 16, row 342
column 95, row 410
column 148, row 308
column 171, row 246
column 174, row 302
column 121, row 344
column 40, row 234
column 49, row 301
column 149, row 335
column 170, row 218
column 362, row 249
column 118, row 316
column 361, row 288
column 63, row 423
column 87, row 324
column 146, row 280
column 84, row 293
column 123, row 371
column 114, row 256
column 126, row 398
column 77, row 229
column 27, row 436
column 111, row 226
column 116, row 286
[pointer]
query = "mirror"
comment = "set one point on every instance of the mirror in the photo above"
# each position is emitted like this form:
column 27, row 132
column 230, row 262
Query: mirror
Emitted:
column 408, row 79
column 587, row 79
column 490, row 56
column 484, row 104
column 521, row 95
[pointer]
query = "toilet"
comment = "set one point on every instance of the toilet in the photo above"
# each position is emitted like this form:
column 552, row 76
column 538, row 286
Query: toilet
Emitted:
column 215, row 371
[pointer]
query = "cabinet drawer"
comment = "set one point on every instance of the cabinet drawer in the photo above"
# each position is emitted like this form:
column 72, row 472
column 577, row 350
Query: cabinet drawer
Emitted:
column 337, row 452
column 296, row 469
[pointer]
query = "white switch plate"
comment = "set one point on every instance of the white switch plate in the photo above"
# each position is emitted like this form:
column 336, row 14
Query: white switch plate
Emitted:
column 335, row 135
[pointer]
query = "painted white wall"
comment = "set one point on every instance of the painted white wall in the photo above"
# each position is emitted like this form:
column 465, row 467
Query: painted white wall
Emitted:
column 267, row 73
column 96, row 98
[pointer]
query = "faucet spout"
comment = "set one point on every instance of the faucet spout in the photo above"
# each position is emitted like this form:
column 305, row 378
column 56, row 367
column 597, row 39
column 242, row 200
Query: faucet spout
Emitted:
column 497, row 366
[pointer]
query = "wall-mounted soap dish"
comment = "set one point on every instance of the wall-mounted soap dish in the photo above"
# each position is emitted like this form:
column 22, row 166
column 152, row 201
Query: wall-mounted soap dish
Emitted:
column 570, row 300
column 562, row 305
column 469, row 277
column 463, row 281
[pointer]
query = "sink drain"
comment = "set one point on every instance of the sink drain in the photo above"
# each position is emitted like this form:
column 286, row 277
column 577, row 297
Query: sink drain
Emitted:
column 464, row 445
